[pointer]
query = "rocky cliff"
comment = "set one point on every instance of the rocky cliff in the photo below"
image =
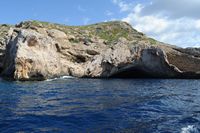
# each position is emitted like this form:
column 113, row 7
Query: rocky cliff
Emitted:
column 36, row 50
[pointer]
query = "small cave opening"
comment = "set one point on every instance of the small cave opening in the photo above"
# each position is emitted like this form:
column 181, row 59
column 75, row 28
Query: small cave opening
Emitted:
column 80, row 59
column 58, row 47
column 37, row 76
column 1, row 69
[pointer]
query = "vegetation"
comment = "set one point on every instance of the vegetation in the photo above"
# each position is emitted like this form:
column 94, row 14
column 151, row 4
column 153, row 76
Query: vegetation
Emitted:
column 3, row 31
column 108, row 31
column 153, row 41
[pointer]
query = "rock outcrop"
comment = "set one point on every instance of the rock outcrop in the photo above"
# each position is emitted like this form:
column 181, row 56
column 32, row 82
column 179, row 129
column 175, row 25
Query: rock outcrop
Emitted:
column 36, row 50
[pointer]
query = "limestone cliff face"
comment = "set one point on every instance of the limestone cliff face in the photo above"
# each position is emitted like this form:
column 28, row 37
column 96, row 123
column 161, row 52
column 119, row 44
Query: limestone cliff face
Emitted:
column 38, row 50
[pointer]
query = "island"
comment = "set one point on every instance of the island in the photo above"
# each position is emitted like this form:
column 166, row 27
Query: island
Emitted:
column 35, row 50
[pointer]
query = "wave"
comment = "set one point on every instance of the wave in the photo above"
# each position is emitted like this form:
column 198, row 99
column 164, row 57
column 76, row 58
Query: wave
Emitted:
column 63, row 77
column 190, row 129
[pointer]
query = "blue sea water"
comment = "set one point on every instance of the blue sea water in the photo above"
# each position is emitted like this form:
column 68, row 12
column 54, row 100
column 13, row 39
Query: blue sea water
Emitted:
column 100, row 106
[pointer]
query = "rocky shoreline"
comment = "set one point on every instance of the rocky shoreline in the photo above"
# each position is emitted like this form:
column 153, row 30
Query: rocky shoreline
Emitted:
column 34, row 50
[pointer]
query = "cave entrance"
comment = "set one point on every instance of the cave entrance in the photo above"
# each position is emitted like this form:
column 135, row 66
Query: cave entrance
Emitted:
column 133, row 73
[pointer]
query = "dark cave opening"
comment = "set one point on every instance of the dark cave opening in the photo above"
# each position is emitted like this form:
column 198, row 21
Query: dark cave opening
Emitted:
column 134, row 73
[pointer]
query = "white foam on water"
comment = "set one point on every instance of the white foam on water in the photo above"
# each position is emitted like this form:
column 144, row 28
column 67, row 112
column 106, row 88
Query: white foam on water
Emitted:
column 189, row 129
column 51, row 79
column 66, row 77
column 63, row 77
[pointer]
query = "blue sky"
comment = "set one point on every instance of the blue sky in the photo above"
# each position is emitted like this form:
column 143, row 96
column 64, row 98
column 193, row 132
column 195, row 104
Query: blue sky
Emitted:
column 174, row 22
column 73, row 12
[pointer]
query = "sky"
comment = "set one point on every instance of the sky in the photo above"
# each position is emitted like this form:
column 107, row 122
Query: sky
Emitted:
column 172, row 21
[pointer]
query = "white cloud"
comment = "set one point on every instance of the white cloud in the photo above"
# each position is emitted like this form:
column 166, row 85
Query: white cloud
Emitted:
column 174, row 9
column 147, row 24
column 197, row 24
column 123, row 5
column 170, row 21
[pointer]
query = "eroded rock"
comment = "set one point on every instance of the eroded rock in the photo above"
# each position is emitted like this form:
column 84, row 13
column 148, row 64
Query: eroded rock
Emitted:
column 40, row 50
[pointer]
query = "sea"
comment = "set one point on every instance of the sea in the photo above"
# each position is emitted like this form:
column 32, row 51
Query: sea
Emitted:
column 72, row 105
